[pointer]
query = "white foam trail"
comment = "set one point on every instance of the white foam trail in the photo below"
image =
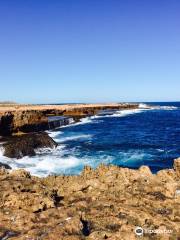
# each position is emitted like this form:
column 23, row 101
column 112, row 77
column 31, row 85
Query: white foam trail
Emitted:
column 120, row 113
column 133, row 157
column 124, row 113
column 158, row 107
column 167, row 107
column 82, row 136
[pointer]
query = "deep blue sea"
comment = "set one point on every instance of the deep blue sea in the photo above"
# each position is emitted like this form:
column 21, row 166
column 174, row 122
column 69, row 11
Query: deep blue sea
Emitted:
column 128, row 138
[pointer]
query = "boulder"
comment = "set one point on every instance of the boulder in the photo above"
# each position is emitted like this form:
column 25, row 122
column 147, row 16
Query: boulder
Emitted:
column 25, row 145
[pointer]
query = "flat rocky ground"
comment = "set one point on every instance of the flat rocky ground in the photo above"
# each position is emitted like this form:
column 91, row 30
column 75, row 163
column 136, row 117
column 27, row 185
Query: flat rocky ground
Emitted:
column 34, row 118
column 19, row 107
column 106, row 203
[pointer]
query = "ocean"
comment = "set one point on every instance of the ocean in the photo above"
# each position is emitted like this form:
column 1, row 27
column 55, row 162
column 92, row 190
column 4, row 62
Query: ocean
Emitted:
column 127, row 138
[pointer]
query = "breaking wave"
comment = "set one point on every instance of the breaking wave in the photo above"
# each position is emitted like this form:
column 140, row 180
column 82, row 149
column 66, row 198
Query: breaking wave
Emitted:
column 50, row 162
column 123, row 113
column 144, row 106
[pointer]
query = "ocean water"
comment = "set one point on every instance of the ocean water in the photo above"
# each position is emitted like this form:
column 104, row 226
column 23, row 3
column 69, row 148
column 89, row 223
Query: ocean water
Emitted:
column 128, row 138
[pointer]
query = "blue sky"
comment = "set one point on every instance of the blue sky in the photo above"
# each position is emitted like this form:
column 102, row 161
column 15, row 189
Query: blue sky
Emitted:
column 89, row 50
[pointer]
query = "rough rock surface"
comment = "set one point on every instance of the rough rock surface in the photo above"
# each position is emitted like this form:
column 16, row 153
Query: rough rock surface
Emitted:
column 106, row 203
column 22, row 121
column 25, row 145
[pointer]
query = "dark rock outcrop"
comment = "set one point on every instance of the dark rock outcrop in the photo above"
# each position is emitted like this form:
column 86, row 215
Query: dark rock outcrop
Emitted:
column 3, row 165
column 25, row 145
column 22, row 121
column 6, row 124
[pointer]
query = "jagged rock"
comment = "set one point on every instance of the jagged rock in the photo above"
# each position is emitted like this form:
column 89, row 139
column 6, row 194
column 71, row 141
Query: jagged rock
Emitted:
column 20, row 173
column 145, row 170
column 25, row 145
column 177, row 166
column 106, row 203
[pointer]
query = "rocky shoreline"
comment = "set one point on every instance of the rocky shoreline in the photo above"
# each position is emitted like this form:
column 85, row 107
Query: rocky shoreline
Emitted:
column 109, row 202
column 25, row 121
column 106, row 203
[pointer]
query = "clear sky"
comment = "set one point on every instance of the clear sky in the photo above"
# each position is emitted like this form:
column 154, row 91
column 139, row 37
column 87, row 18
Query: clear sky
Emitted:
column 89, row 50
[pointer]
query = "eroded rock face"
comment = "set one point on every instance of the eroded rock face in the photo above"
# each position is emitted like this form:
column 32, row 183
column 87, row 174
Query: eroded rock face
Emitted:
column 25, row 145
column 22, row 121
column 106, row 203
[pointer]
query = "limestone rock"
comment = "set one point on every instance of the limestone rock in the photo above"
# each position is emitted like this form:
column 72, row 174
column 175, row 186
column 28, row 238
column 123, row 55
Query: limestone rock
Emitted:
column 145, row 170
column 106, row 203
column 177, row 166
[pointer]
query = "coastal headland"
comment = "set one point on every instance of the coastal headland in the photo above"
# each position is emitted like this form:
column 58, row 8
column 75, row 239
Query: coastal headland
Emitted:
column 33, row 118
column 19, row 124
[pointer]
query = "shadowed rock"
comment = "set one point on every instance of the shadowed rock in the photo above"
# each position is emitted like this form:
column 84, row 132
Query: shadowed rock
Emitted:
column 25, row 145
column 3, row 165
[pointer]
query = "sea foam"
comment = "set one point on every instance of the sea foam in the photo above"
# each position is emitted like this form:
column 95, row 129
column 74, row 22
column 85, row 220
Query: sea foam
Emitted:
column 156, row 107
column 76, row 137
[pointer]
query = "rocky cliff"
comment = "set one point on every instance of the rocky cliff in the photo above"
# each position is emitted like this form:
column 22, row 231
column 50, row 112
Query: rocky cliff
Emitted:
column 35, row 118
column 106, row 203
column 22, row 121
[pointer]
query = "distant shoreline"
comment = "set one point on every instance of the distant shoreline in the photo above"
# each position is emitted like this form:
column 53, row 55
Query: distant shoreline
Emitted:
column 63, row 107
